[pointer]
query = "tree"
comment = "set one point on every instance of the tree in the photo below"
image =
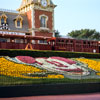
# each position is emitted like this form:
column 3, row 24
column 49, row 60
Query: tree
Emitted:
column 57, row 34
column 85, row 34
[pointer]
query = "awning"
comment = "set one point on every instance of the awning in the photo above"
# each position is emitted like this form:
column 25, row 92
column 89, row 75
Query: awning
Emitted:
column 30, row 37
column 51, row 39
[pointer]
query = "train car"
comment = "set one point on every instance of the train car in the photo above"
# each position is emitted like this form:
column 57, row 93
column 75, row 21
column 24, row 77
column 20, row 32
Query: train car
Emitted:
column 42, row 43
column 75, row 45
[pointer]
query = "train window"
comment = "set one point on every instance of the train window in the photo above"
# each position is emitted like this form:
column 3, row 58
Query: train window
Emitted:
column 3, row 40
column 84, row 42
column 58, row 40
column 66, row 41
column 62, row 41
column 42, row 41
column 71, row 41
column 18, row 40
column 89, row 43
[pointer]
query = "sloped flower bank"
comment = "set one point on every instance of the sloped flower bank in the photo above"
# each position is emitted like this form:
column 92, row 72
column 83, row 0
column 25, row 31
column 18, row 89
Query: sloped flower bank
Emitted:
column 9, row 68
column 42, row 67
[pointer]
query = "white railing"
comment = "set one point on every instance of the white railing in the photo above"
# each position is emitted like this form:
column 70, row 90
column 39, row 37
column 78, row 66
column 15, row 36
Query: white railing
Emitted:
column 8, row 10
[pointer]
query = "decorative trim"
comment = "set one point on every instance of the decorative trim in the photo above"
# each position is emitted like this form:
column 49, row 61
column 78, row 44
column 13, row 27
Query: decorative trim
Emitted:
column 42, row 4
column 41, row 29
column 44, row 29
column 53, row 28
column 48, row 8
column 3, row 16
column 42, row 16
column 18, row 18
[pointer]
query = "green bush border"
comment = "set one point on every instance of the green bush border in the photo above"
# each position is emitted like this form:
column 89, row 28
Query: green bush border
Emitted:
column 48, row 89
column 37, row 53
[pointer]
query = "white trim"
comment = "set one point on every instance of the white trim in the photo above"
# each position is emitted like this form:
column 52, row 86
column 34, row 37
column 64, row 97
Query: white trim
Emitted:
column 42, row 16
column 44, row 28
column 53, row 24
column 33, row 21
column 50, row 9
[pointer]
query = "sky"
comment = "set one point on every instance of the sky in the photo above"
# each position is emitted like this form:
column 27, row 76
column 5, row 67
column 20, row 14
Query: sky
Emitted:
column 69, row 14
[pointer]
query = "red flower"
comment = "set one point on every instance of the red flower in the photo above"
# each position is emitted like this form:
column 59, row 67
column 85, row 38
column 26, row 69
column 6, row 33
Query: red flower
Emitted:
column 69, row 61
column 71, row 70
column 26, row 59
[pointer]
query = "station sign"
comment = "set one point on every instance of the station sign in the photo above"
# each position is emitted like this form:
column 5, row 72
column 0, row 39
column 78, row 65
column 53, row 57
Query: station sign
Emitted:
column 11, row 33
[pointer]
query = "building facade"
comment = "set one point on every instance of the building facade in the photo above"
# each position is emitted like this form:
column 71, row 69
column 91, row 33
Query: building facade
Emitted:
column 33, row 17
column 40, row 16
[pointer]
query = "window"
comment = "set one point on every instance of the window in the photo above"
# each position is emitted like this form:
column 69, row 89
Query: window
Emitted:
column 2, row 20
column 66, row 41
column 42, row 41
column 18, row 23
column 62, row 41
column 84, row 42
column 3, row 40
column 18, row 40
column 43, row 21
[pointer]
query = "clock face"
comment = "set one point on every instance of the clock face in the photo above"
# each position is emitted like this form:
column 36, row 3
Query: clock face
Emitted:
column 44, row 3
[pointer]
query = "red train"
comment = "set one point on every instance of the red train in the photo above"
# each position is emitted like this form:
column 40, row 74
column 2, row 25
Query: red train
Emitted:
column 66, row 44
column 46, row 43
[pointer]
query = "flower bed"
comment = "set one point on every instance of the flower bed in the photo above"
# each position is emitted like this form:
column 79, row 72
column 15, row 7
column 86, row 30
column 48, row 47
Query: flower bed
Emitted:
column 12, row 69
column 28, row 67
column 60, row 65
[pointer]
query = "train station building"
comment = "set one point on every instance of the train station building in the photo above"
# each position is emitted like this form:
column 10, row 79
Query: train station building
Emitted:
column 33, row 18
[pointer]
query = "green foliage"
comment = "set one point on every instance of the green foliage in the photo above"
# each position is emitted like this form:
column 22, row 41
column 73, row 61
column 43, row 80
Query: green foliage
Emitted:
column 57, row 34
column 32, row 53
column 11, row 81
column 85, row 34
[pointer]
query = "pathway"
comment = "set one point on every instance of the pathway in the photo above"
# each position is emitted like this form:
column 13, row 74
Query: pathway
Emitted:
column 95, row 96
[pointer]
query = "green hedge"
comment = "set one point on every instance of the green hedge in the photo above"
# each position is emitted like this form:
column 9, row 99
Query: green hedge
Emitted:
column 32, row 53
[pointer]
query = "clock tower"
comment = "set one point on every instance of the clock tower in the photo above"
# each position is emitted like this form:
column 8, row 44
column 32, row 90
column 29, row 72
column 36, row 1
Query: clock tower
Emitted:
column 40, row 15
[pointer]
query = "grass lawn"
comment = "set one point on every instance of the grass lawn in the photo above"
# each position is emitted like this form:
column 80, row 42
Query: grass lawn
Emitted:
column 8, row 81
column 96, row 59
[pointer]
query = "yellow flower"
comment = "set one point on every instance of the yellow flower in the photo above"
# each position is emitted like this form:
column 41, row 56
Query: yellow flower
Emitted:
column 12, row 69
column 55, row 76
column 95, row 65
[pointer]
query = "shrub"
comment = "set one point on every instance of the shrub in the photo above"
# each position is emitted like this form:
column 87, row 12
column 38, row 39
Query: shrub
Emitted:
column 34, row 53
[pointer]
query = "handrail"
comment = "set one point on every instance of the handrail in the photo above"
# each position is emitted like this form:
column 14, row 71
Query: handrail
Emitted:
column 8, row 10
